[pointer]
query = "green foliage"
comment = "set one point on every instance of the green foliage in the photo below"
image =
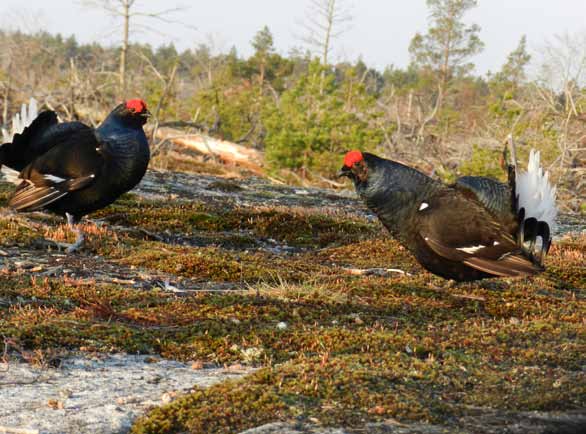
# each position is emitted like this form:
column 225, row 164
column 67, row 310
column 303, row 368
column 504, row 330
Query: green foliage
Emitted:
column 483, row 162
column 229, row 112
column 263, row 41
column 505, row 86
column 318, row 119
column 513, row 70
column 263, row 47
column 449, row 43
column 303, row 114
column 165, row 57
column 401, row 80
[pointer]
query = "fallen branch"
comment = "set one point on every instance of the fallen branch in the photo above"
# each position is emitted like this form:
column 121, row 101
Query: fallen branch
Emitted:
column 330, row 182
column 222, row 150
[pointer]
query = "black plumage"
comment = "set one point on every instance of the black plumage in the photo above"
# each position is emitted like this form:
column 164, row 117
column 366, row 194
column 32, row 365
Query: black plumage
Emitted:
column 72, row 169
column 466, row 231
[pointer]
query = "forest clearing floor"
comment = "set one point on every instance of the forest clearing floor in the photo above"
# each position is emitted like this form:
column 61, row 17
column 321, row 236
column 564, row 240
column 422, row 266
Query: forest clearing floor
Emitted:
column 210, row 305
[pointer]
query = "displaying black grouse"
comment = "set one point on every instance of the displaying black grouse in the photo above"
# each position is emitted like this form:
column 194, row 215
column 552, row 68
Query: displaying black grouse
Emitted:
column 474, row 229
column 72, row 169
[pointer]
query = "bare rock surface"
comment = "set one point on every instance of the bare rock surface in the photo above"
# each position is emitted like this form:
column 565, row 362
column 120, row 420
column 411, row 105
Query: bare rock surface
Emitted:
column 486, row 422
column 99, row 395
column 286, row 428
column 251, row 191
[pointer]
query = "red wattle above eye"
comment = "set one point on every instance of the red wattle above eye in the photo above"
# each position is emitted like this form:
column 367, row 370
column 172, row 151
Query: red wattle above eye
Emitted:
column 352, row 158
column 138, row 105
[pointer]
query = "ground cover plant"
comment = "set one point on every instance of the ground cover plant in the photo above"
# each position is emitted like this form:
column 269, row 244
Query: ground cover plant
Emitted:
column 304, row 295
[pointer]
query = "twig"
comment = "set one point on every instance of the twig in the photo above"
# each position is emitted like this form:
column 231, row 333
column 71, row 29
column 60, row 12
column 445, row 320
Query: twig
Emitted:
column 513, row 151
column 374, row 271
column 468, row 297
column 11, row 430
column 166, row 91
column 330, row 182
column 5, row 355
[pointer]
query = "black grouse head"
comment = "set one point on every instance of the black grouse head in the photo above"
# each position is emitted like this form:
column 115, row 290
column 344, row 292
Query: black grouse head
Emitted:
column 355, row 167
column 133, row 112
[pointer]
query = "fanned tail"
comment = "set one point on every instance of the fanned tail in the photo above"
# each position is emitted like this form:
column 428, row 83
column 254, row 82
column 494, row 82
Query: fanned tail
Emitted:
column 21, row 120
column 27, row 144
column 536, row 208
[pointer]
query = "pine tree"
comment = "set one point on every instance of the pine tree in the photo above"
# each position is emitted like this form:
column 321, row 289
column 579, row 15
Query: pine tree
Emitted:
column 263, row 47
column 449, row 43
column 513, row 70
column 319, row 118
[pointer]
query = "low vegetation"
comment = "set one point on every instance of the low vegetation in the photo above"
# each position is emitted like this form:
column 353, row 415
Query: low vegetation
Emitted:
column 332, row 346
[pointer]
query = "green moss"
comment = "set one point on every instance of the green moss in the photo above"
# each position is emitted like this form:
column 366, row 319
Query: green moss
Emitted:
column 212, row 263
column 17, row 231
column 296, row 227
column 353, row 348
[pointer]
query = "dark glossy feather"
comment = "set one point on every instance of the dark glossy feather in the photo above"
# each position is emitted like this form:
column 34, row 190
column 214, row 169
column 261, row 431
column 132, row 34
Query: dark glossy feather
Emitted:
column 495, row 196
column 467, row 231
column 39, row 137
column 71, row 168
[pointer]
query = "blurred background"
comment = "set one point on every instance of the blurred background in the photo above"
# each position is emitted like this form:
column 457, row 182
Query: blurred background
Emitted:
column 281, row 89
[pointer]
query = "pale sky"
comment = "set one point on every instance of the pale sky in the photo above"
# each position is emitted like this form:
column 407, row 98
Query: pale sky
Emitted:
column 380, row 30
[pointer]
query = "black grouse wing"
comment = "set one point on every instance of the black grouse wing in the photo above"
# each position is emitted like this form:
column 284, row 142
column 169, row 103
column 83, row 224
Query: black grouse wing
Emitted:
column 461, row 230
column 69, row 166
column 44, row 133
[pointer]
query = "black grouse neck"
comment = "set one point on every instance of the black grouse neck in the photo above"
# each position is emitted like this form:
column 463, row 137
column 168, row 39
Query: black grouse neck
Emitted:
column 125, row 149
column 121, row 118
column 392, row 190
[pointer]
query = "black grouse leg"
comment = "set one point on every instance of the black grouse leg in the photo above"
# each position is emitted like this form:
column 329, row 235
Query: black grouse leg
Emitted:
column 73, row 223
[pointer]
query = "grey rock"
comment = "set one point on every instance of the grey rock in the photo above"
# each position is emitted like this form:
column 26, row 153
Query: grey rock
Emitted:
column 99, row 395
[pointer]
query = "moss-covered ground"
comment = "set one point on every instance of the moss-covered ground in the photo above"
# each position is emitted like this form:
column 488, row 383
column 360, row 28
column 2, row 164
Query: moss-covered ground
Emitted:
column 332, row 346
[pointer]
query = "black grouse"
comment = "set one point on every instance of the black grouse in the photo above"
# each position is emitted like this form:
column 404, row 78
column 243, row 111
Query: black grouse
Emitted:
column 72, row 169
column 474, row 229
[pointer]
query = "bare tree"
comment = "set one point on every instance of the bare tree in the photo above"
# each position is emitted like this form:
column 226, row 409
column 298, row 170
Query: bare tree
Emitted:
column 167, row 82
column 563, row 69
column 560, row 85
column 127, row 10
column 8, row 50
column 325, row 20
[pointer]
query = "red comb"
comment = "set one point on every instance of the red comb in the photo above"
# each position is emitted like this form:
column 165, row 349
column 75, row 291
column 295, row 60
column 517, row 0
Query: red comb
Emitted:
column 352, row 157
column 137, row 105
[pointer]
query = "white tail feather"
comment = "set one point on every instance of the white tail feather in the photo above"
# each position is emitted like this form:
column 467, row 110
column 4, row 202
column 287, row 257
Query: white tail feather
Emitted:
column 22, row 120
column 19, row 123
column 11, row 175
column 535, row 193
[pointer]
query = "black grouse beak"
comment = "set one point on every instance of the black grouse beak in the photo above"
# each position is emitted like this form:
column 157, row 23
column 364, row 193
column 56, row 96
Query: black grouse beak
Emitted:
column 146, row 114
column 344, row 171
